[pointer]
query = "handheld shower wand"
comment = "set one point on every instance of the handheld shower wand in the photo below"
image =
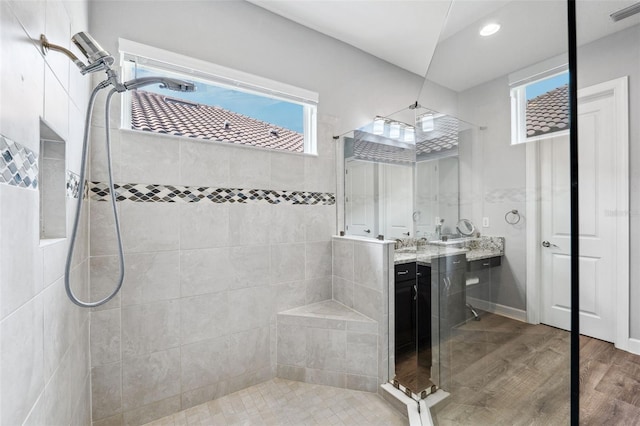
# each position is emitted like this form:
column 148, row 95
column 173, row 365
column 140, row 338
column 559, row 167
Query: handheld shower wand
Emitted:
column 100, row 60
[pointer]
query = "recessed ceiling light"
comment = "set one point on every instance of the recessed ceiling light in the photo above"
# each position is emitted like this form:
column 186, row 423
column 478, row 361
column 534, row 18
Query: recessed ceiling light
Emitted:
column 489, row 29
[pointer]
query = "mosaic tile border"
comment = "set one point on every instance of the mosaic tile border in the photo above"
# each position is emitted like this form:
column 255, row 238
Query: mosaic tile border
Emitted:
column 73, row 184
column 192, row 194
column 18, row 164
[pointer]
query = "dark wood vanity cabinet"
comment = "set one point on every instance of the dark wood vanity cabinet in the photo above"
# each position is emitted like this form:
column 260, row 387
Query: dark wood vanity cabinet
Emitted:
column 450, row 274
column 405, row 308
column 423, row 324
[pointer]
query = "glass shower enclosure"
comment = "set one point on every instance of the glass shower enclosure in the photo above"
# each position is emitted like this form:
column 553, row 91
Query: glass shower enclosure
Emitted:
column 403, row 178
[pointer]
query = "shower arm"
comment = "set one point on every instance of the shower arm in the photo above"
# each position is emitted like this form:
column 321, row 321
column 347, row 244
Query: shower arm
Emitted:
column 92, row 66
column 46, row 46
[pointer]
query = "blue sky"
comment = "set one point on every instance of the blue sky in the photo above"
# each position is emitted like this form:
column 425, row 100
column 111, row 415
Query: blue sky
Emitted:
column 275, row 111
column 544, row 86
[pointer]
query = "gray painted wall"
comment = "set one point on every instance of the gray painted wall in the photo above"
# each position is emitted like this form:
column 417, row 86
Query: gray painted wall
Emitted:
column 498, row 183
column 353, row 86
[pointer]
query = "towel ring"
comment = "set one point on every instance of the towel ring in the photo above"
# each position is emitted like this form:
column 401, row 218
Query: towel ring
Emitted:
column 512, row 217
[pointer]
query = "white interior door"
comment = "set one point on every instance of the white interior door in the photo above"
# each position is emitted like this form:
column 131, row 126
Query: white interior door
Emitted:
column 597, row 198
column 426, row 198
column 397, row 200
column 359, row 198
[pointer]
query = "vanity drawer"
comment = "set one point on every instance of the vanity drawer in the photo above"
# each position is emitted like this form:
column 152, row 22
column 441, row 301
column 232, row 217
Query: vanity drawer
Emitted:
column 451, row 263
column 405, row 272
column 476, row 265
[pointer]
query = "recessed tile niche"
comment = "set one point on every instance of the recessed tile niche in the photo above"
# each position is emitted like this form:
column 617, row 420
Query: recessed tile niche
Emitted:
column 52, row 183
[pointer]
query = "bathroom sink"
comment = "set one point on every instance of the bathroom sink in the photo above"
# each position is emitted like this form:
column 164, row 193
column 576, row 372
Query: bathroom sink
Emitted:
column 450, row 241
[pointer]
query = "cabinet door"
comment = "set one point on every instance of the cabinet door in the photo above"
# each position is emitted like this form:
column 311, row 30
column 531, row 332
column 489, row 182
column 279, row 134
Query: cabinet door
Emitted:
column 423, row 323
column 453, row 301
column 405, row 318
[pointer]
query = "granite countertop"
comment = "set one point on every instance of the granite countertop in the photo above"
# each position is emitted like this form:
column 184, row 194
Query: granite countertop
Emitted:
column 476, row 249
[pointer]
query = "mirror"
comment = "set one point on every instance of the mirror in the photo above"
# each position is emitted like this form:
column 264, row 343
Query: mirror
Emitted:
column 465, row 228
column 401, row 188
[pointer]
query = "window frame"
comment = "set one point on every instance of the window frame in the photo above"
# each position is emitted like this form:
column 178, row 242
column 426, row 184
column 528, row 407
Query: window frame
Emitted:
column 519, row 107
column 145, row 55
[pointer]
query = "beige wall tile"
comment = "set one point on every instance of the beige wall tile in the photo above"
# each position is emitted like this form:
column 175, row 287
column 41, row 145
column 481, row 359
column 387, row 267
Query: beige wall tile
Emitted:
column 106, row 390
column 318, row 262
column 287, row 224
column 105, row 337
column 204, row 317
column 206, row 271
column 248, row 351
column 287, row 171
column 205, row 363
column 287, row 263
column 249, row 168
column 369, row 266
column 149, row 158
column 195, row 171
column 151, row 412
column 150, row 378
column 149, row 227
column 251, row 308
column 204, row 225
column 149, row 328
column 22, row 368
column 249, row 224
column 251, row 266
column 318, row 289
column 151, row 277
column 292, row 345
column 19, row 228
column 326, row 349
column 320, row 223
column 343, row 263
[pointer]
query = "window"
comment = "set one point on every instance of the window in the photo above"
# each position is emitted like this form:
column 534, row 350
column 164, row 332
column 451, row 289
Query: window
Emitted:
column 540, row 108
column 227, row 106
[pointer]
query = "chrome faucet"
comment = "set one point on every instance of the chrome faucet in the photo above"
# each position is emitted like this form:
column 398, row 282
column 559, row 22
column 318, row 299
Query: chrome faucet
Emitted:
column 439, row 229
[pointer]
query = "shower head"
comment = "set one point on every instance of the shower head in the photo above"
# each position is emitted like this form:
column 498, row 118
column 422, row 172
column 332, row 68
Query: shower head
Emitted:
column 98, row 58
column 165, row 83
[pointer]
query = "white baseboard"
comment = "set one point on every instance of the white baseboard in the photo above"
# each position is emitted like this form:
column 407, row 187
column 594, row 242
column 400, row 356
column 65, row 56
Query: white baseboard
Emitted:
column 496, row 308
column 634, row 346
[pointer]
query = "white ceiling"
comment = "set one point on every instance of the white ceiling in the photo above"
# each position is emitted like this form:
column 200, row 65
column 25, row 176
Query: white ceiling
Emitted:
column 410, row 33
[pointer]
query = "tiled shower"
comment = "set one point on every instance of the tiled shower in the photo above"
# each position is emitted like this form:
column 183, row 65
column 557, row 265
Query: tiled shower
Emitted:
column 206, row 276
column 249, row 234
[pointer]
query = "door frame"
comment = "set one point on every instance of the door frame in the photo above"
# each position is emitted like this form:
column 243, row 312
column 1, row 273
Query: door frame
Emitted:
column 619, row 88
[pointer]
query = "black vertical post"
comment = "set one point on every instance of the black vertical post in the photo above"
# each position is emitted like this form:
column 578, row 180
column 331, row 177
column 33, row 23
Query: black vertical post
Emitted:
column 575, row 229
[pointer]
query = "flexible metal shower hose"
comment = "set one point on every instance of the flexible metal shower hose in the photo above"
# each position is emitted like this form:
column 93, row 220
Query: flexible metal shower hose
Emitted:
column 76, row 221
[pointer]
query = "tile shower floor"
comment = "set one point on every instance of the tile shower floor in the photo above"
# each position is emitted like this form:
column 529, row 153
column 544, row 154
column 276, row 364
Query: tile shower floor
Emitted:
column 285, row 402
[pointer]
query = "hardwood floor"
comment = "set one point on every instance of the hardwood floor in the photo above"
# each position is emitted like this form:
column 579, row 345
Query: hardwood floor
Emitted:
column 506, row 372
column 411, row 374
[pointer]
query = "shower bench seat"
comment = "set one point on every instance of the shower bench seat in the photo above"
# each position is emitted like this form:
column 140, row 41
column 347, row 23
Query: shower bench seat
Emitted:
column 328, row 343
